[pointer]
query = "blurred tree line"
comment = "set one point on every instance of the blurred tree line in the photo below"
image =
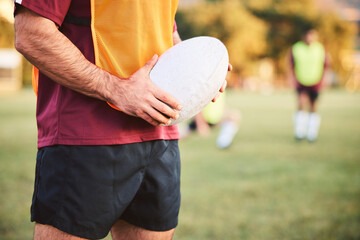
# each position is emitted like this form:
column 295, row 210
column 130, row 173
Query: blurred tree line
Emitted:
column 7, row 40
column 6, row 34
column 258, row 29
column 252, row 30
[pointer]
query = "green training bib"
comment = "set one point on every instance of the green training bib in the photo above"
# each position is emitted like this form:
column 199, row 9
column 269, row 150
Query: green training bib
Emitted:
column 309, row 62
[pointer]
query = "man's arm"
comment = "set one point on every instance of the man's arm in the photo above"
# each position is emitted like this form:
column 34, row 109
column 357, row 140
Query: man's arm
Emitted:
column 40, row 41
column 176, row 37
column 292, row 68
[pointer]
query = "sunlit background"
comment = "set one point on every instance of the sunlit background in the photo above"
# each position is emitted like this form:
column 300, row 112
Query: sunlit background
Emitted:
column 259, row 33
column 265, row 185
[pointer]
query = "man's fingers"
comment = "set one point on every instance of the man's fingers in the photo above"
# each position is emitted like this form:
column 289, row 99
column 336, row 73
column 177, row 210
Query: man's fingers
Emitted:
column 152, row 116
column 168, row 99
column 222, row 89
column 157, row 117
column 230, row 67
column 216, row 97
column 166, row 110
column 150, row 120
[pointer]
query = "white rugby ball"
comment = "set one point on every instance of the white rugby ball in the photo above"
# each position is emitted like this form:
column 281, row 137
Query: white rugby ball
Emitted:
column 192, row 71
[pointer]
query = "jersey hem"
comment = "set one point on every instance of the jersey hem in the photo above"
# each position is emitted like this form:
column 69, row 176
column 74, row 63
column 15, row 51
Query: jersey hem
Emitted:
column 109, row 141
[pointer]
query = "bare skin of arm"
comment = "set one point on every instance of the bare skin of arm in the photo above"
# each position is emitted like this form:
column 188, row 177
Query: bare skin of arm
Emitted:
column 292, row 68
column 40, row 41
column 176, row 38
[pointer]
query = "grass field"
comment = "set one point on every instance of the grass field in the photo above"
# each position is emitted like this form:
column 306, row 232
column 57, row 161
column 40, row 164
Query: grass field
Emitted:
column 266, row 186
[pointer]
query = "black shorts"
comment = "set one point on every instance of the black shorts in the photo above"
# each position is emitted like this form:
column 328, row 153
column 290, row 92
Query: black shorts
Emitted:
column 312, row 92
column 84, row 190
column 193, row 126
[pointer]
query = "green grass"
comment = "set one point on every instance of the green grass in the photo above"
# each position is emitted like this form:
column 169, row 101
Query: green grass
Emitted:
column 266, row 186
column 17, row 158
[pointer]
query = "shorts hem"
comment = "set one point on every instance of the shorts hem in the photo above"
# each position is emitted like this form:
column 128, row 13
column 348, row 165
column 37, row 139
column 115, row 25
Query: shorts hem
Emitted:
column 73, row 232
column 158, row 227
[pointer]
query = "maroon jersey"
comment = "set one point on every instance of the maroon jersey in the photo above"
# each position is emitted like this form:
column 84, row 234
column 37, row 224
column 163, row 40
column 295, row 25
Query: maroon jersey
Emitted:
column 70, row 118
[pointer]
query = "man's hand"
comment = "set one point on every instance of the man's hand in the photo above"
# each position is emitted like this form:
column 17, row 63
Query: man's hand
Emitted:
column 138, row 96
column 223, row 87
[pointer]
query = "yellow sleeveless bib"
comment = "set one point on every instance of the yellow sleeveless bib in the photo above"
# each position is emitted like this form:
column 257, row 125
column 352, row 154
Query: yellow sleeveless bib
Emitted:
column 127, row 33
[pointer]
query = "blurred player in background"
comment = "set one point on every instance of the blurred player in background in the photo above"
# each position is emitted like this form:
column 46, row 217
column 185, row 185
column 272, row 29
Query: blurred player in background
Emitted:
column 309, row 62
column 215, row 114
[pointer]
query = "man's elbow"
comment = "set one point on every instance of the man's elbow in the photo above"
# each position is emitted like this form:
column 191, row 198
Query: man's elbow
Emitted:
column 29, row 27
column 21, row 44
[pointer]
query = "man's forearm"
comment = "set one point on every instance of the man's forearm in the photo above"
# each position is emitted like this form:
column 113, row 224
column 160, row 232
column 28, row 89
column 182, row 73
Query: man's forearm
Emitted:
column 293, row 78
column 39, row 40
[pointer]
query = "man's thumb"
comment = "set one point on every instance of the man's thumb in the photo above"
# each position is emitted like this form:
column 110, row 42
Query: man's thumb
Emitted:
column 151, row 63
